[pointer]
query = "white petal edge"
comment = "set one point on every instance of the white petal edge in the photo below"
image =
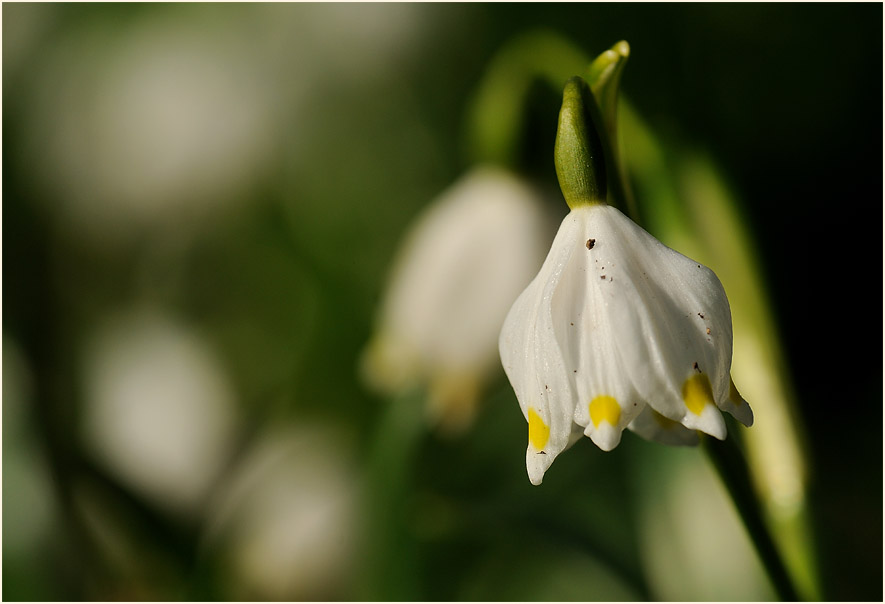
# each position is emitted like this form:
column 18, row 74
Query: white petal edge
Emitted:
column 534, row 363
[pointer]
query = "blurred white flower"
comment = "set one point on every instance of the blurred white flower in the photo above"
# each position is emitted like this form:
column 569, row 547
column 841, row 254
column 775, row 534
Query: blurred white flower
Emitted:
column 159, row 123
column 285, row 518
column 159, row 411
column 463, row 263
column 361, row 40
column 618, row 330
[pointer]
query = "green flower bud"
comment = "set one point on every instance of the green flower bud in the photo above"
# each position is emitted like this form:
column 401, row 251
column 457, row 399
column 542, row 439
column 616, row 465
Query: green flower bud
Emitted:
column 578, row 151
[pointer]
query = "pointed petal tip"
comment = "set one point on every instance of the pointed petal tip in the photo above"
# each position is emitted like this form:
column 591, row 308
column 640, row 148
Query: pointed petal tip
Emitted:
column 743, row 413
column 738, row 406
column 606, row 436
column 536, row 474
column 710, row 421
column 536, row 464
column 751, row 417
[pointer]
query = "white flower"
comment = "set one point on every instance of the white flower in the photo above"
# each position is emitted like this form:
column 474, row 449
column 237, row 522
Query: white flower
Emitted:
column 462, row 265
column 159, row 410
column 618, row 331
column 285, row 520
column 174, row 121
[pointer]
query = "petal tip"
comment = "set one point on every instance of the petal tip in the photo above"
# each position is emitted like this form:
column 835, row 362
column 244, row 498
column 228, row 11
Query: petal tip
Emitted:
column 606, row 436
column 743, row 413
column 738, row 406
column 709, row 421
column 536, row 464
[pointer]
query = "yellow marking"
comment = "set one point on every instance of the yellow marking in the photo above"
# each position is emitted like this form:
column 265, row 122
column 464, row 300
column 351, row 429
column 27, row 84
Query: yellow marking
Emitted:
column 539, row 432
column 697, row 393
column 605, row 408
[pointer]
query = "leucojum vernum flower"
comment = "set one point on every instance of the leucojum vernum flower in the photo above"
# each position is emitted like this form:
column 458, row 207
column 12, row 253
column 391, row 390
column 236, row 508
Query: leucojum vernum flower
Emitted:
column 453, row 282
column 617, row 330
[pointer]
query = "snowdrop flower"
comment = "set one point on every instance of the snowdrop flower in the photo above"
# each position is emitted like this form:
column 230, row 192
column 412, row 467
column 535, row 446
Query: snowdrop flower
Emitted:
column 617, row 330
column 461, row 267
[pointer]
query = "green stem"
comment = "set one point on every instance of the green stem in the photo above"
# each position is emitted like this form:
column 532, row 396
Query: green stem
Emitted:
column 497, row 114
column 390, row 572
column 730, row 463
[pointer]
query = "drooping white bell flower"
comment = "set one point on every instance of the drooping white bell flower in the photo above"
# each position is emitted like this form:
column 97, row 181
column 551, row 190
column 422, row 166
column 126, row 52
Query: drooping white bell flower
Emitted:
column 616, row 330
column 462, row 264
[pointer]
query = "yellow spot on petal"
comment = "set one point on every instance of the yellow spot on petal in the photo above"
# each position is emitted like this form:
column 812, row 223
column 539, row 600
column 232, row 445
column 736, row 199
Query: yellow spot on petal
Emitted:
column 605, row 408
column 539, row 432
column 697, row 393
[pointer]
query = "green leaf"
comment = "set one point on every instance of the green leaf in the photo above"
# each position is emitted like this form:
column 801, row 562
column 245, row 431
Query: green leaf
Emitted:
column 604, row 77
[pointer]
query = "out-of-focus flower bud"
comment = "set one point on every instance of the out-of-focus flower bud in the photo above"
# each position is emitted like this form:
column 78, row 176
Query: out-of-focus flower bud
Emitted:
column 462, row 265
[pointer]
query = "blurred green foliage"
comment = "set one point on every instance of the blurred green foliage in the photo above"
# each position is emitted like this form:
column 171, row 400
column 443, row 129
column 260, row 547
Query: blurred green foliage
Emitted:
column 276, row 261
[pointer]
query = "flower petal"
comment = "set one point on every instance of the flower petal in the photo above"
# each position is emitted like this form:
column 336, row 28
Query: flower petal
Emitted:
column 737, row 406
column 455, row 278
column 653, row 426
column 672, row 317
column 618, row 331
column 534, row 363
column 606, row 401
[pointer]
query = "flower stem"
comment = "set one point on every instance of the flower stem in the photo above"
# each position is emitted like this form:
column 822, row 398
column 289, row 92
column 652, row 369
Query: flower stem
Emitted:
column 731, row 465
column 496, row 121
column 390, row 549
